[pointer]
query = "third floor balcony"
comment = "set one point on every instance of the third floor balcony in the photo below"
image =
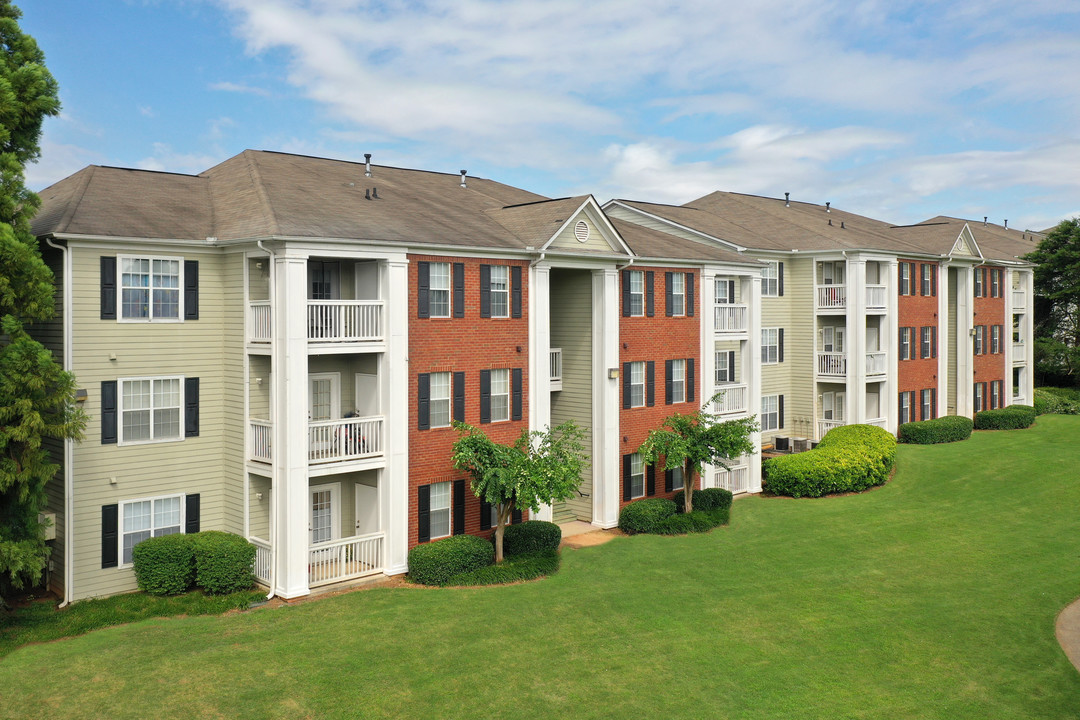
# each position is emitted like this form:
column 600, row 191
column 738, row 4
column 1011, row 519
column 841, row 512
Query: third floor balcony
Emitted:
column 328, row 321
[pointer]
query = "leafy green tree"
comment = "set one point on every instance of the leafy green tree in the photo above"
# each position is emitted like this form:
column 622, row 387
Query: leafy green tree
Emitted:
column 695, row 439
column 539, row 468
column 1057, row 302
column 36, row 395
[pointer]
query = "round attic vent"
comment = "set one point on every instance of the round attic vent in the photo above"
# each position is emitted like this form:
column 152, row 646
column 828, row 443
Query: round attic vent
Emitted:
column 581, row 231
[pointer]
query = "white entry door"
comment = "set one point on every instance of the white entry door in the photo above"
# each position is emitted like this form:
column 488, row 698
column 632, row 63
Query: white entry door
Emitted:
column 324, row 398
column 324, row 523
column 367, row 509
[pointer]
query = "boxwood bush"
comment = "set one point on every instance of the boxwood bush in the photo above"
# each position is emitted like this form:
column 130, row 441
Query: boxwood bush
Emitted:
column 437, row 562
column 164, row 565
column 645, row 516
column 849, row 458
column 223, row 562
column 950, row 428
column 528, row 566
column 692, row 522
column 532, row 536
column 1012, row 417
column 707, row 499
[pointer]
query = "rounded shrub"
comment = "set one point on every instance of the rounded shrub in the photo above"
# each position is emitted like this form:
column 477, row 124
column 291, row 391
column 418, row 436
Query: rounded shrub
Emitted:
column 1012, row 417
column 435, row 563
column 951, row 428
column 164, row 565
column 532, row 536
column 707, row 499
column 644, row 516
column 849, row 458
column 223, row 562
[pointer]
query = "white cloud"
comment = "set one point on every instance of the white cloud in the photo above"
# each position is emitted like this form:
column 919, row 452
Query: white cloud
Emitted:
column 147, row 111
column 166, row 159
column 58, row 160
column 226, row 86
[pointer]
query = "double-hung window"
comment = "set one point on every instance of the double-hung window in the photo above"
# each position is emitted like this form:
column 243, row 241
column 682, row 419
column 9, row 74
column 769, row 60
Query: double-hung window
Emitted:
column 906, row 409
column 980, row 282
column 927, row 398
column 907, row 352
column 500, row 395
column 439, row 290
column 439, row 510
column 150, row 288
column 926, row 342
column 770, row 412
column 144, row 519
column 980, row 340
column 637, row 293
column 995, row 282
column 905, row 279
column 440, row 399
column 637, row 476
column 770, row 279
column 995, row 394
column 678, row 293
column 500, row 291
column 150, row 409
column 927, row 280
column 995, row 339
column 770, row 346
column 677, row 481
column 678, row 381
column 637, row 384
column 979, row 397
column 725, row 367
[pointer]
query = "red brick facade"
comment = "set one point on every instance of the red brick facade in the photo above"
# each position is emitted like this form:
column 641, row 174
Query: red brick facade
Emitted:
column 990, row 312
column 918, row 308
column 469, row 345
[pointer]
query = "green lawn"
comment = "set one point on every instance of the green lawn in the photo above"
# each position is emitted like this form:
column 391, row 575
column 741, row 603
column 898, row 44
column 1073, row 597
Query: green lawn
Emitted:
column 931, row 597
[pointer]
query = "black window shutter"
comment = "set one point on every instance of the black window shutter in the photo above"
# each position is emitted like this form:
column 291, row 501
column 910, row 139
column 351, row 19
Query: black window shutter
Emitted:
column 667, row 382
column 780, row 279
column 626, row 477
column 108, row 292
column 731, row 367
column 933, row 280
column 110, row 526
column 191, row 513
column 626, row 386
column 780, row 409
column 626, row 293
column 485, row 515
column 731, row 291
column 485, row 396
column 933, row 402
column 515, row 392
column 515, row 291
column 668, row 299
column 108, row 412
column 689, row 379
column 650, row 479
column 984, row 283
column 933, row 341
column 485, row 291
column 191, row 407
column 423, row 289
column 459, row 290
column 423, row 401
column 650, row 383
column 780, row 345
column 690, row 294
column 423, row 513
column 459, row 396
column 669, row 480
column 650, row 301
column 900, row 409
column 515, row 516
column 191, row 289
column 459, row 507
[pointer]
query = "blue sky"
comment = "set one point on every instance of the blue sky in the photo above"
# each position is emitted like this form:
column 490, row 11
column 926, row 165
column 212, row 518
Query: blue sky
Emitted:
column 896, row 109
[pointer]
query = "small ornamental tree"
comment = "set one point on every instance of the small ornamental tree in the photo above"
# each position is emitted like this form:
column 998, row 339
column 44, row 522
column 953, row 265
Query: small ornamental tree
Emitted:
column 695, row 439
column 539, row 468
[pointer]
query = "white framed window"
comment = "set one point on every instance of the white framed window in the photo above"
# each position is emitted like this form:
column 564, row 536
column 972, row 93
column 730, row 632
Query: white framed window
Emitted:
column 725, row 371
column 770, row 412
column 150, row 409
column 980, row 282
column 832, row 405
column 925, row 342
column 677, row 481
column 678, row 293
column 439, row 407
column 724, row 291
column 637, row 476
column 325, row 521
column 832, row 339
column 927, row 280
column 995, row 394
column 906, row 351
column 500, row 291
column 905, row 278
column 770, row 279
column 500, row 395
column 439, row 510
column 995, row 339
column 637, row 384
column 149, row 517
column 439, row 289
column 770, row 346
column 905, row 407
column 150, row 289
column 832, row 273
column 927, row 397
column 637, row 293
column 980, row 339
column 678, row 381
column 995, row 282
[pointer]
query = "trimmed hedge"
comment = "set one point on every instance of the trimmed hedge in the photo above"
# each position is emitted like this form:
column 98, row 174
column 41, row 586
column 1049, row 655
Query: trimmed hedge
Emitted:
column 164, row 565
column 531, row 536
column 707, row 499
column 1061, row 401
column 528, row 566
column 850, row 458
column 692, row 522
column 437, row 562
column 1013, row 417
column 223, row 562
column 644, row 516
column 951, row 428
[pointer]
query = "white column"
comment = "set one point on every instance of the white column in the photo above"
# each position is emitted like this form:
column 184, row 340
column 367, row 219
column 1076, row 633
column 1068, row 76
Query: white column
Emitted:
column 1027, row 334
column 605, row 355
column 965, row 321
column 944, row 349
column 708, row 337
column 751, row 369
column 855, row 346
column 540, row 356
column 891, row 332
column 394, row 490
column 1006, row 335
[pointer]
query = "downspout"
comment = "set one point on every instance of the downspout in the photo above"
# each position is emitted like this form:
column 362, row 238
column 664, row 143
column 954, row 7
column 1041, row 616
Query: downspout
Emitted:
column 69, row 444
column 540, row 259
column 620, row 268
column 274, row 418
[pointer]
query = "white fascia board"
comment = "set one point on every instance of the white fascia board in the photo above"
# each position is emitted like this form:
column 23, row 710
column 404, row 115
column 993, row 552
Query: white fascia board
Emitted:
column 591, row 208
column 658, row 218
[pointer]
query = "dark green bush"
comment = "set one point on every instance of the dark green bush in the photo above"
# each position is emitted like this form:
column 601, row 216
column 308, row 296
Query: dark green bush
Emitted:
column 1062, row 401
column 528, row 566
column 532, row 536
column 223, row 562
column 643, row 516
column 1012, row 417
column 693, row 522
column 164, row 565
column 940, row 430
column 849, row 458
column 435, row 563
column 707, row 499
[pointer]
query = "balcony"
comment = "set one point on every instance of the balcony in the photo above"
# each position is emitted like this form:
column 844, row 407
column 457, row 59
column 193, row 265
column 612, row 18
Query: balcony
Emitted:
column 876, row 363
column 732, row 400
column 329, row 562
column 1019, row 353
column 328, row 321
column 831, row 297
column 260, row 322
column 832, row 364
column 329, row 441
column 1019, row 299
column 825, row 426
column 876, row 297
column 730, row 318
column 735, row 480
column 555, row 368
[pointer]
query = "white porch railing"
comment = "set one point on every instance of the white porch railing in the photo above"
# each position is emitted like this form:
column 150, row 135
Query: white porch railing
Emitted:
column 876, row 363
column 825, row 426
column 1018, row 353
column 1019, row 299
column 344, row 559
column 345, row 320
column 876, row 422
column 735, row 480
column 262, row 433
column 260, row 321
column 876, row 297
column 831, row 297
column 261, row 568
column 346, row 439
column 833, row 364
column 733, row 399
column 555, row 368
column 730, row 318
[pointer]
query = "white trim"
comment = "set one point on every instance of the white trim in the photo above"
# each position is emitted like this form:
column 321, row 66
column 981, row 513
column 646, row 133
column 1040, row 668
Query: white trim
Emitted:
column 595, row 213
column 334, row 489
column 179, row 260
column 713, row 238
column 120, row 441
column 120, row 521
column 335, row 393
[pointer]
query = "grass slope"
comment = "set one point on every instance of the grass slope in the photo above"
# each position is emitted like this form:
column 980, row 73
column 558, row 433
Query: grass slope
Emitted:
column 931, row 597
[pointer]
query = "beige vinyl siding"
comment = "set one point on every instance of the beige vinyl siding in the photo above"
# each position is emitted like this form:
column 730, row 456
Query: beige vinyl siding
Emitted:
column 346, row 367
column 794, row 312
column 259, row 508
column 259, row 392
column 568, row 241
column 233, row 452
column 953, row 349
column 571, row 330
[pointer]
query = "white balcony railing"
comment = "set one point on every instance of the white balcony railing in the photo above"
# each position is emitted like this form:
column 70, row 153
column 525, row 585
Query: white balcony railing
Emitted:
column 734, row 480
column 1019, row 299
column 876, row 297
column 1019, row 354
column 260, row 321
column 261, row 568
column 876, row 422
column 262, row 433
column 732, row 400
column 876, row 363
column 825, row 426
column 344, row 559
column 345, row 321
column 831, row 297
column 832, row 364
column 730, row 318
column 346, row 439
column 555, row 368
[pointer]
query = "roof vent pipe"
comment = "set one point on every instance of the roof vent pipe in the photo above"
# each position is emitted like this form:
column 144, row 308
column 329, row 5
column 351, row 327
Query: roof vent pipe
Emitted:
column 827, row 204
column 787, row 199
column 842, row 225
column 985, row 218
column 463, row 173
column 367, row 194
column 367, row 164
column 1006, row 224
column 374, row 193
column 830, row 222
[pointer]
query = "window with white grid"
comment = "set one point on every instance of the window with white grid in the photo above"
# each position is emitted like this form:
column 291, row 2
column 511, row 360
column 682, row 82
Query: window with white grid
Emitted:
column 150, row 409
column 439, row 510
column 440, row 399
column 153, row 517
column 500, row 395
column 150, row 288
column 500, row 291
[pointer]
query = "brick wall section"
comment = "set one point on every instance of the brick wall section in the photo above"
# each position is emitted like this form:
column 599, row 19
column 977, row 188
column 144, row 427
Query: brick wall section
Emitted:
column 469, row 344
column 918, row 311
column 990, row 311
column 658, row 338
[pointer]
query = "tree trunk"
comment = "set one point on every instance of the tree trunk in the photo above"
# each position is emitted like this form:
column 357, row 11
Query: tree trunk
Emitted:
column 500, row 529
column 688, row 488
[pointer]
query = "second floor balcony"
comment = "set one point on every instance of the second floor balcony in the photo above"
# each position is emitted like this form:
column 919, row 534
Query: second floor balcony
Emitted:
column 730, row 319
column 328, row 321
column 834, row 298
column 734, row 398
column 329, row 441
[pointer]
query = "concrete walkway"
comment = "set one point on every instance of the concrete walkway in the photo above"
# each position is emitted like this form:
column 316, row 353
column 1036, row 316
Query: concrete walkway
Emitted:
column 1067, row 629
column 577, row 534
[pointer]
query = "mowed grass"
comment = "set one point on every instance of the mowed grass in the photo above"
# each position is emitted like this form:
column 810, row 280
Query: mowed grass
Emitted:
column 931, row 597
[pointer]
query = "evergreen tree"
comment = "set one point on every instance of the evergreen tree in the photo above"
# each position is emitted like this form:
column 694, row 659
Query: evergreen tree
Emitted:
column 1057, row 304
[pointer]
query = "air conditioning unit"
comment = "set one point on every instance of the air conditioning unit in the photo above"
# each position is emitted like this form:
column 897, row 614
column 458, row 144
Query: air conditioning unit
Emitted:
column 799, row 444
column 782, row 444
